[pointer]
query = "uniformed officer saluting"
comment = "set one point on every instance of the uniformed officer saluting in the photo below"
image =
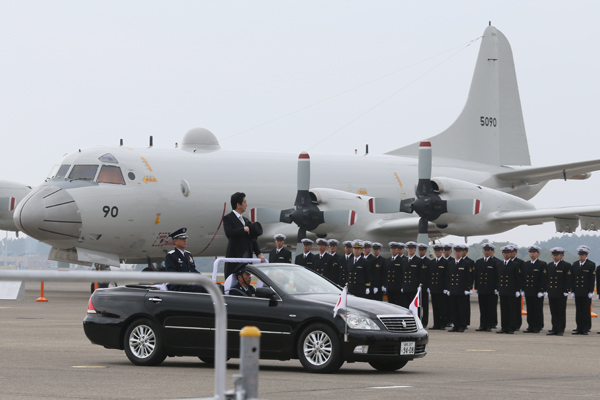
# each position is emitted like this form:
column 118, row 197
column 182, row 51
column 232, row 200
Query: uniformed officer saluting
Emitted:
column 181, row 260
column 485, row 286
column 437, row 285
column 359, row 279
column 280, row 254
column 535, row 280
column 306, row 258
column 559, row 283
column 584, row 276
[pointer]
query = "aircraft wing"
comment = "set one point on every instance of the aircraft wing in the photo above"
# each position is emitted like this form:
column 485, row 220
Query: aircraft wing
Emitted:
column 566, row 218
column 578, row 170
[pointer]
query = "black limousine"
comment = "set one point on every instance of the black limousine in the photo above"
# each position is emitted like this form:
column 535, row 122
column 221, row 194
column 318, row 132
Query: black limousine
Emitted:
column 293, row 308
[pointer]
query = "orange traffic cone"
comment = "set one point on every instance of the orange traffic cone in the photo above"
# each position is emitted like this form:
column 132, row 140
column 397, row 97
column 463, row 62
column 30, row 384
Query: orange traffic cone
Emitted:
column 522, row 311
column 594, row 315
column 42, row 298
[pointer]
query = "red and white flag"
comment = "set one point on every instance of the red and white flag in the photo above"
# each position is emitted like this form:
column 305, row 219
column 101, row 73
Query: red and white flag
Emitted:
column 414, row 305
column 342, row 301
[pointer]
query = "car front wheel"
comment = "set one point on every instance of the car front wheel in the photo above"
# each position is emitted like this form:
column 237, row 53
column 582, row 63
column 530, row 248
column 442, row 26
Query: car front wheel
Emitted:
column 144, row 344
column 388, row 365
column 319, row 349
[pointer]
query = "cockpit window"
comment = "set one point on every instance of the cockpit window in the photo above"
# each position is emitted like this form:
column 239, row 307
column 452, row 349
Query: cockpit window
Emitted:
column 62, row 171
column 111, row 174
column 83, row 172
column 108, row 158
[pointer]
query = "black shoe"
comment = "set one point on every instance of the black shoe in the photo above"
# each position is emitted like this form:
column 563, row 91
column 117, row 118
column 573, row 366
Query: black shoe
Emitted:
column 480, row 329
column 488, row 330
column 584, row 333
column 436, row 328
column 559, row 334
column 510, row 332
column 550, row 333
column 452, row 330
column 528, row 331
column 536, row 331
column 576, row 333
column 501, row 331
column 461, row 329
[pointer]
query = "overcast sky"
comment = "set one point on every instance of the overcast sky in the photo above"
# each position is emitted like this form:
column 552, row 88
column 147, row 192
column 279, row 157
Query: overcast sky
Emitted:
column 75, row 74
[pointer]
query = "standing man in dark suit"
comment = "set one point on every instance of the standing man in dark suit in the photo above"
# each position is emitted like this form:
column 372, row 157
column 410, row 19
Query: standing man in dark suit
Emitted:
column 321, row 259
column 584, row 277
column 411, row 274
column 181, row 260
column 241, row 233
column 393, row 275
column 336, row 271
column 518, row 306
column 559, row 285
column 437, row 285
column 306, row 259
column 377, row 273
column 485, row 286
column 535, row 280
column 359, row 277
column 280, row 254
column 509, row 289
column 459, row 281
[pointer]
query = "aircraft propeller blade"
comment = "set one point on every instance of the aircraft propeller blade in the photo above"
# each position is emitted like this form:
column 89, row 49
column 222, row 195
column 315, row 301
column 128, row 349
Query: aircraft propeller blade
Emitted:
column 425, row 159
column 339, row 217
column 303, row 195
column 301, row 235
column 463, row 206
column 423, row 236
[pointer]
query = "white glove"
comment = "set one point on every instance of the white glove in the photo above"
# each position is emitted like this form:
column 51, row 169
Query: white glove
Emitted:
column 496, row 292
column 383, row 289
column 476, row 291
column 522, row 293
column 540, row 295
column 430, row 292
column 518, row 294
column 375, row 290
column 367, row 291
column 447, row 293
column 590, row 295
column 566, row 294
column 546, row 294
column 572, row 295
column 401, row 290
column 466, row 292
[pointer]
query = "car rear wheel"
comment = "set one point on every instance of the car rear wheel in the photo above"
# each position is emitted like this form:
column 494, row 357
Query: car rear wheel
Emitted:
column 319, row 349
column 388, row 365
column 144, row 344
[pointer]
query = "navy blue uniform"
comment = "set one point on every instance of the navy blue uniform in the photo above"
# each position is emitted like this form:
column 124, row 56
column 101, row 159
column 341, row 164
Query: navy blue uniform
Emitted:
column 393, row 279
column 584, row 276
column 559, row 283
column 281, row 256
column 437, row 285
column 175, row 261
column 459, row 279
column 485, row 284
column 535, row 280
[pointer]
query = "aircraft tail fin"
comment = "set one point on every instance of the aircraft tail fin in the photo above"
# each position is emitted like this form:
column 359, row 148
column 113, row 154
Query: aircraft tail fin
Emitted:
column 490, row 128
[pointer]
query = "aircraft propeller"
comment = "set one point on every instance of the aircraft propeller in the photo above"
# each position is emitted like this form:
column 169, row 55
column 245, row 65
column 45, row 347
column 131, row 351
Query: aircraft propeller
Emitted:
column 305, row 214
column 428, row 204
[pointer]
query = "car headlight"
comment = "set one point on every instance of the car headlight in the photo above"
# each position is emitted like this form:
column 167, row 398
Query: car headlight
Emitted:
column 359, row 321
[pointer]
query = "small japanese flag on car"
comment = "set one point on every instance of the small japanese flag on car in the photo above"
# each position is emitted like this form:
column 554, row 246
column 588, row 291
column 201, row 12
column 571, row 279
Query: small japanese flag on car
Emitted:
column 414, row 305
column 342, row 301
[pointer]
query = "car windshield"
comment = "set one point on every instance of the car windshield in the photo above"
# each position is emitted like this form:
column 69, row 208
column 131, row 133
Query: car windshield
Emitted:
column 297, row 280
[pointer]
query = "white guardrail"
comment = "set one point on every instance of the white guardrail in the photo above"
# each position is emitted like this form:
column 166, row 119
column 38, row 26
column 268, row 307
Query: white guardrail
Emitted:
column 156, row 277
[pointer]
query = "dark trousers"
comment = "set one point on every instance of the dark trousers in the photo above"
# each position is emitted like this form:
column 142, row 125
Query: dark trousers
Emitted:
column 488, row 310
column 518, row 315
column 438, row 305
column 558, row 309
column 425, row 307
column 459, row 306
column 407, row 297
column 583, row 314
column 507, row 312
column 395, row 297
column 535, row 313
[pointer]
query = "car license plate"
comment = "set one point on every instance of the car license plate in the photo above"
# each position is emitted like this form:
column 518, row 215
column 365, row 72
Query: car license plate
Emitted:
column 407, row 348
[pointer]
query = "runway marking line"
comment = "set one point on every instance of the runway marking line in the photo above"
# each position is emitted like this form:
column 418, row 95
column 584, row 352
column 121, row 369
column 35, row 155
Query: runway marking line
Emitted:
column 88, row 366
column 389, row 387
column 479, row 350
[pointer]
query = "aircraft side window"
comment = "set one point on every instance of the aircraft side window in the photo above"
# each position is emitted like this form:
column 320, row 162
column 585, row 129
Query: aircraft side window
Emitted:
column 83, row 172
column 111, row 174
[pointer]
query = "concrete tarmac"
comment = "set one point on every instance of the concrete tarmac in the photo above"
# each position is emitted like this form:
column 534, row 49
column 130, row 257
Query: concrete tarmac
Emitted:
column 44, row 354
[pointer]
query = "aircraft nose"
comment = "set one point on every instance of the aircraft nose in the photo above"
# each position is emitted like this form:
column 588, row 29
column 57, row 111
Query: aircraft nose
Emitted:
column 49, row 214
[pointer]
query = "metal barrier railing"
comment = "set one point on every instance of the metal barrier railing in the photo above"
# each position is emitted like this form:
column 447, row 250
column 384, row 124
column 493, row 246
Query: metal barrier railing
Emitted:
column 156, row 277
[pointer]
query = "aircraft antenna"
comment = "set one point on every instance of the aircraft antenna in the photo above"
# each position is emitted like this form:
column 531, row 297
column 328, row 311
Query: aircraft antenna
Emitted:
column 366, row 149
column 121, row 143
column 150, row 141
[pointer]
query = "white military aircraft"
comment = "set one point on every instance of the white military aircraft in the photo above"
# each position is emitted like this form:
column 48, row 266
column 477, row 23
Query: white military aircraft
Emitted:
column 108, row 205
